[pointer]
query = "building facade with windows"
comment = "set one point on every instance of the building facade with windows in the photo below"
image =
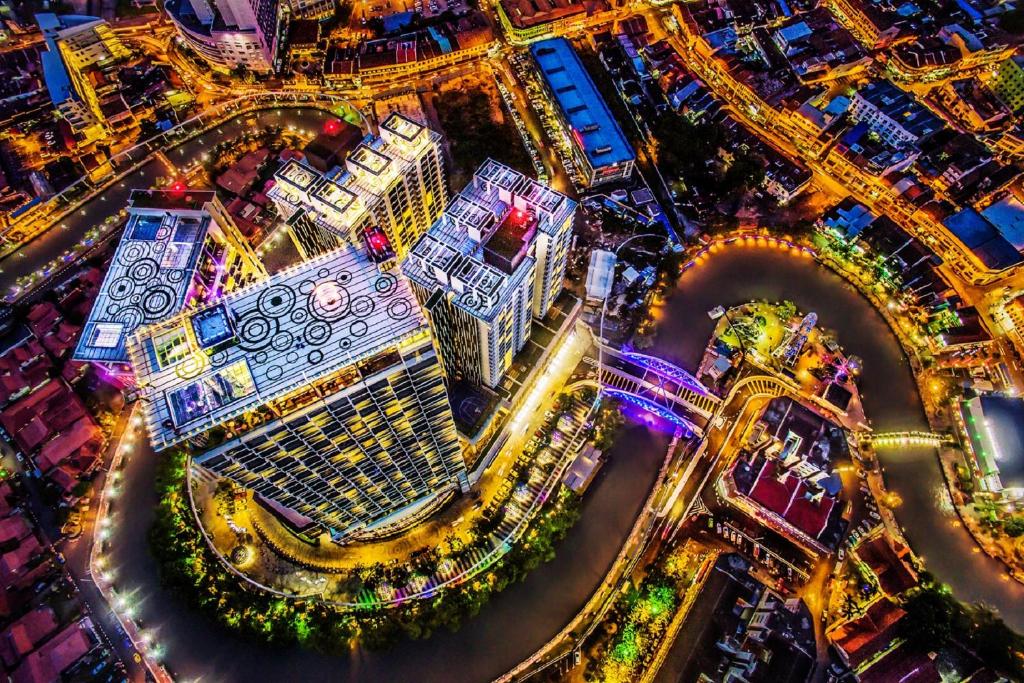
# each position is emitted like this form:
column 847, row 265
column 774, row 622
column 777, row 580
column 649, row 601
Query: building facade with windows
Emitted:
column 177, row 248
column 229, row 34
column 318, row 388
column 492, row 262
column 76, row 45
column 394, row 181
column 1008, row 82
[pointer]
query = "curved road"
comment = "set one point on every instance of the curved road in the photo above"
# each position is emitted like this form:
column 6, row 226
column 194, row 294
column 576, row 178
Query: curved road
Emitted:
column 890, row 396
column 53, row 243
column 518, row 621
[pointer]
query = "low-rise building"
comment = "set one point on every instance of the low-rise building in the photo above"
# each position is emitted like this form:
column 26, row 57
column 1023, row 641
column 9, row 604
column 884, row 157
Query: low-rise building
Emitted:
column 601, row 150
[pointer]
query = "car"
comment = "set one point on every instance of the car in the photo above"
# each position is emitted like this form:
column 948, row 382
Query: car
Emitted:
column 71, row 530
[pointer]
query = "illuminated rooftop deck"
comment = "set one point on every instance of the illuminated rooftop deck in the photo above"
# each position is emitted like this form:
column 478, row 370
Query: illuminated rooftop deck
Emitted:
column 151, row 272
column 262, row 342
column 452, row 255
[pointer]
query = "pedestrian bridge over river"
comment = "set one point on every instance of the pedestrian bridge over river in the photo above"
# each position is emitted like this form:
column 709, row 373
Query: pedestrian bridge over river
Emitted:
column 657, row 386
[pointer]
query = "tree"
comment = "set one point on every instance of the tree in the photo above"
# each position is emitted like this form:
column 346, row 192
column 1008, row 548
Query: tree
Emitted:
column 1014, row 526
column 931, row 613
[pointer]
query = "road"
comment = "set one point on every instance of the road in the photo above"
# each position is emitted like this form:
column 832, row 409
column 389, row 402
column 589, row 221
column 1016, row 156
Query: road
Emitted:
column 40, row 252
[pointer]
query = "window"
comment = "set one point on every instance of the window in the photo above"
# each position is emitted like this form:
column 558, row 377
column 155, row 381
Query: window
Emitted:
column 106, row 335
column 171, row 347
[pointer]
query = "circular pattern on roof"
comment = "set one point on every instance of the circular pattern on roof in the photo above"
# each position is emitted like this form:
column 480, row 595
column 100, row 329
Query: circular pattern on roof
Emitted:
column 282, row 341
column 344, row 344
column 191, row 366
column 143, row 270
column 299, row 316
column 399, row 309
column 162, row 232
column 158, row 302
column 344, row 277
column 132, row 253
column 323, row 272
column 131, row 317
column 317, row 333
column 292, row 358
column 358, row 328
column 362, row 306
column 219, row 358
column 385, row 284
column 274, row 372
column 276, row 300
column 158, row 247
column 135, row 299
column 329, row 301
column 469, row 300
column 260, row 357
column 175, row 276
column 315, row 357
column 255, row 331
column 120, row 288
column 112, row 309
column 306, row 286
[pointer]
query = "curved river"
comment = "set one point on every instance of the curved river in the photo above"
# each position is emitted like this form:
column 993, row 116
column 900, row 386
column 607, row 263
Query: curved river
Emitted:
column 521, row 619
column 738, row 274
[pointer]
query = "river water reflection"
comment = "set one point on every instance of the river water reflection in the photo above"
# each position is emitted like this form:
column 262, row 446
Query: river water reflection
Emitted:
column 738, row 274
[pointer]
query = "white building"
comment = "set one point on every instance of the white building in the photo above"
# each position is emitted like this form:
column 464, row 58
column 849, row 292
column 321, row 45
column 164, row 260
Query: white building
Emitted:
column 490, row 264
column 233, row 33
column 394, row 181
column 177, row 249
column 600, row 274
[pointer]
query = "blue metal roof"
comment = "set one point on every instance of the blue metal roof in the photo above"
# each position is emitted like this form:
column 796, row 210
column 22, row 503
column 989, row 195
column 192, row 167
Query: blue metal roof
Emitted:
column 58, row 83
column 982, row 238
column 901, row 107
column 582, row 106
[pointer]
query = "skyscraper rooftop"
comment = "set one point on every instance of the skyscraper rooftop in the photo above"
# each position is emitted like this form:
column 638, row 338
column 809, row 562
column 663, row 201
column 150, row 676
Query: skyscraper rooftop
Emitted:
column 477, row 244
column 263, row 341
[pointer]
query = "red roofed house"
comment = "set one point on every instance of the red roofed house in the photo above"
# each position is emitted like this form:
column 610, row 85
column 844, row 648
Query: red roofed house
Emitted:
column 889, row 562
column 14, row 528
column 26, row 633
column 861, row 639
column 80, row 443
column 771, row 492
column 903, row 666
column 809, row 510
column 43, row 413
column 42, row 318
column 14, row 564
column 60, row 652
column 804, row 507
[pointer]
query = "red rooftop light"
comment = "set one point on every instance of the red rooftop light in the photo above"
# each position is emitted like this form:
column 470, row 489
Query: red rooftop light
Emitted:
column 332, row 127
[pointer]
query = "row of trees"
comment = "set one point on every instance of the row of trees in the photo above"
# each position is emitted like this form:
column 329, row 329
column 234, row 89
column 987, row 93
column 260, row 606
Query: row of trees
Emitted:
column 190, row 568
column 936, row 619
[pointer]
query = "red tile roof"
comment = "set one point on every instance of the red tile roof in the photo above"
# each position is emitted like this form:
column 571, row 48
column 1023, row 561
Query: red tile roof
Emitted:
column 64, row 649
column 862, row 638
column 13, row 563
column 84, row 439
column 26, row 633
column 14, row 528
column 888, row 564
column 770, row 492
column 902, row 666
column 807, row 515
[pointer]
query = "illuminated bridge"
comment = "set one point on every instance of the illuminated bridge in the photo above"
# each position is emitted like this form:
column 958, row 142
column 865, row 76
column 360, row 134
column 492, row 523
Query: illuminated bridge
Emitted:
column 658, row 387
column 907, row 439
